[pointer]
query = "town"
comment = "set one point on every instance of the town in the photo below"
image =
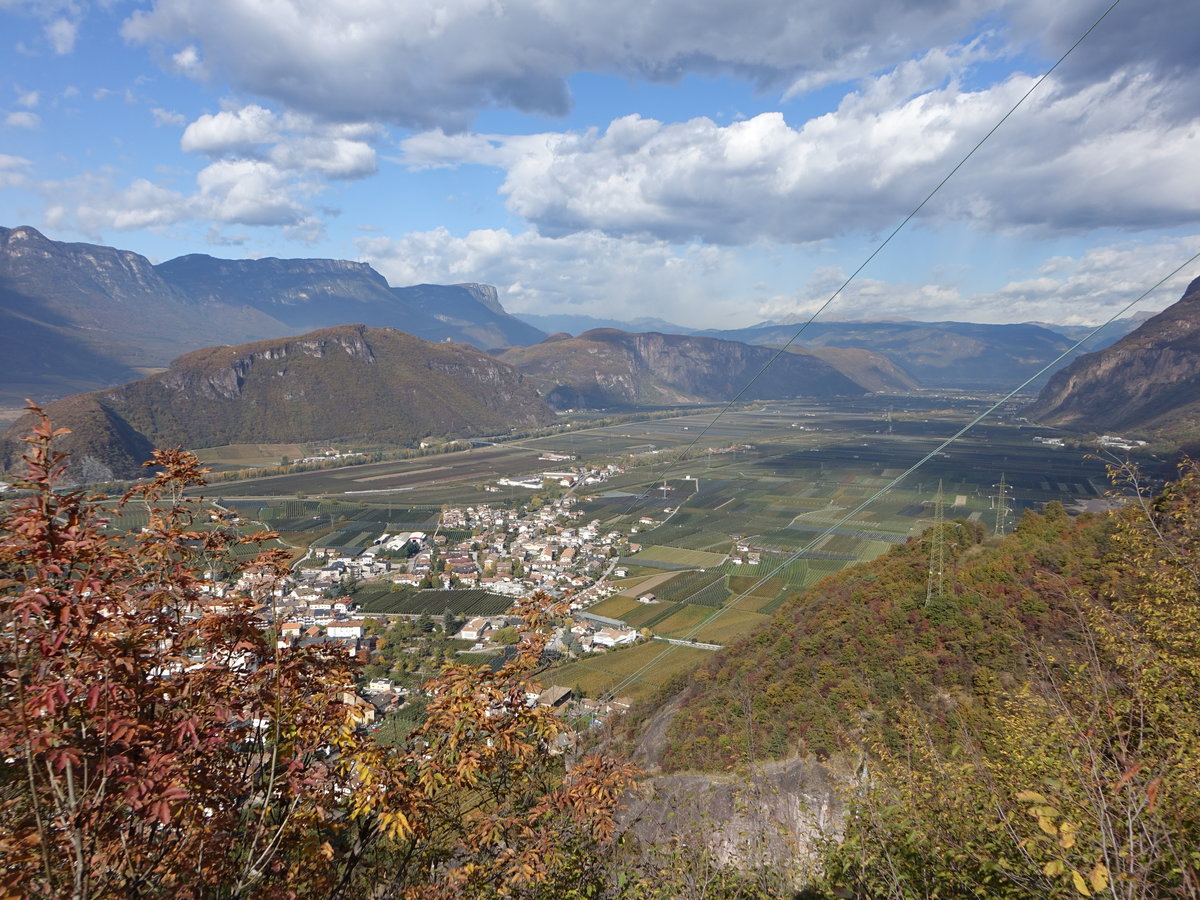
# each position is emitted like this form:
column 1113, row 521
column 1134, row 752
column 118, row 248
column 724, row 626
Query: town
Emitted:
column 511, row 553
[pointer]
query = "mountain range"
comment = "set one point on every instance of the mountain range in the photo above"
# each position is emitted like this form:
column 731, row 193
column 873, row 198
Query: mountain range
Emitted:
column 606, row 368
column 82, row 316
column 575, row 325
column 79, row 317
column 1148, row 381
column 349, row 382
column 937, row 354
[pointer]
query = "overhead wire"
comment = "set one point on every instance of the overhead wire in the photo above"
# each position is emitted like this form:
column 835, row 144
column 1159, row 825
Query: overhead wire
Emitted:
column 673, row 464
column 891, row 485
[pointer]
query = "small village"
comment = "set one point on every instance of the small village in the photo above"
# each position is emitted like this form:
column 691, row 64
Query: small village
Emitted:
column 511, row 553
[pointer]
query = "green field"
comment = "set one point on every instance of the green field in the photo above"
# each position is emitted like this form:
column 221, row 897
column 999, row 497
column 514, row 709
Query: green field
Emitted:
column 706, row 588
column 648, row 615
column 682, row 620
column 775, row 486
column 246, row 456
column 615, row 607
column 405, row 601
column 676, row 556
column 597, row 674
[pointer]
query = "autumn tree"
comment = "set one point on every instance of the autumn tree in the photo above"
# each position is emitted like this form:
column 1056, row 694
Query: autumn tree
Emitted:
column 1084, row 780
column 153, row 742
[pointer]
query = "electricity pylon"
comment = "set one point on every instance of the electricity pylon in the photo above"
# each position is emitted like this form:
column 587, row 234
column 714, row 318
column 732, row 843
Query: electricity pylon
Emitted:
column 935, row 584
column 1002, row 510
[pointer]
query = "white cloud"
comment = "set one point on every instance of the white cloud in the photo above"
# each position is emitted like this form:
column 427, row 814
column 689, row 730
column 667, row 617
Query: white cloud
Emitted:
column 428, row 63
column 187, row 62
column 333, row 158
column 166, row 117
column 13, row 171
column 247, row 192
column 28, row 99
column 291, row 142
column 1082, row 290
column 1108, row 155
column 264, row 169
column 141, row 205
column 61, row 33
column 228, row 192
column 586, row 273
column 27, row 120
column 231, row 131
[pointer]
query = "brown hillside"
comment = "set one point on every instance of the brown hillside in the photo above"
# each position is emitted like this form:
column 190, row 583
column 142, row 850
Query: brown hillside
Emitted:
column 348, row 382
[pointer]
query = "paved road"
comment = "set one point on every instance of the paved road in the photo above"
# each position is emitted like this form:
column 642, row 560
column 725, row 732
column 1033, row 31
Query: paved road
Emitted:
column 697, row 644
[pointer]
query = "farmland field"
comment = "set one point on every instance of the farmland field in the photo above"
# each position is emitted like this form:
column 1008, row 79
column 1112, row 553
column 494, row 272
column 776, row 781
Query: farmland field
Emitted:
column 432, row 602
column 614, row 607
column 245, row 456
column 805, row 487
column 676, row 556
column 594, row 675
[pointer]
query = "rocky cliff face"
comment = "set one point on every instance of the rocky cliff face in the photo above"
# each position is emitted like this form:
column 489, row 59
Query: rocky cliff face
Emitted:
column 81, row 316
column 1148, row 380
column 935, row 354
column 345, row 383
column 318, row 293
column 606, row 367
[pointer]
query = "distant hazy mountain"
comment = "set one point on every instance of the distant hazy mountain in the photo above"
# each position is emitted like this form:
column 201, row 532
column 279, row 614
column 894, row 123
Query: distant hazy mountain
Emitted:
column 606, row 367
column 348, row 382
column 936, row 354
column 576, row 325
column 1148, row 380
column 471, row 311
column 81, row 316
column 316, row 293
column 1105, row 337
column 871, row 370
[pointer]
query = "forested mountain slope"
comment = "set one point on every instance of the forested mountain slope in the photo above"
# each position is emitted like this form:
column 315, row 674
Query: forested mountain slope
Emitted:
column 606, row 367
column 1030, row 732
column 864, row 642
column 1147, row 381
column 346, row 382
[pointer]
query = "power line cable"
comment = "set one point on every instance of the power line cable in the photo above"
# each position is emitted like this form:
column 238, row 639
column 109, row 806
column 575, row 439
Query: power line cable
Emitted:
column 832, row 297
column 891, row 485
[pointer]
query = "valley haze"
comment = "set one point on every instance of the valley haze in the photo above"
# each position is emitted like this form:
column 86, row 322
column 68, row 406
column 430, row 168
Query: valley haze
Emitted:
column 525, row 533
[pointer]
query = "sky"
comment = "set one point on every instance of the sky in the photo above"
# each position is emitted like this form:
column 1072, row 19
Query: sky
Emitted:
column 708, row 162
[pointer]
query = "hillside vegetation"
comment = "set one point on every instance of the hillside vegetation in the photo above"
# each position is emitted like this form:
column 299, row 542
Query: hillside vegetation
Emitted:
column 346, row 382
column 1149, row 381
column 1031, row 731
column 861, row 644
column 605, row 367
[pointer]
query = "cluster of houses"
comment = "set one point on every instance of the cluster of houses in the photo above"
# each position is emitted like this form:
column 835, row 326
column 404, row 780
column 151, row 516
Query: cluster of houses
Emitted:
column 513, row 553
column 1109, row 441
column 1116, row 442
column 508, row 552
column 580, row 475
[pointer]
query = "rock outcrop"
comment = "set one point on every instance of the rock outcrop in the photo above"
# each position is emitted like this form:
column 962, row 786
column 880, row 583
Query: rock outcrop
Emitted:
column 610, row 368
column 1147, row 381
column 344, row 383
